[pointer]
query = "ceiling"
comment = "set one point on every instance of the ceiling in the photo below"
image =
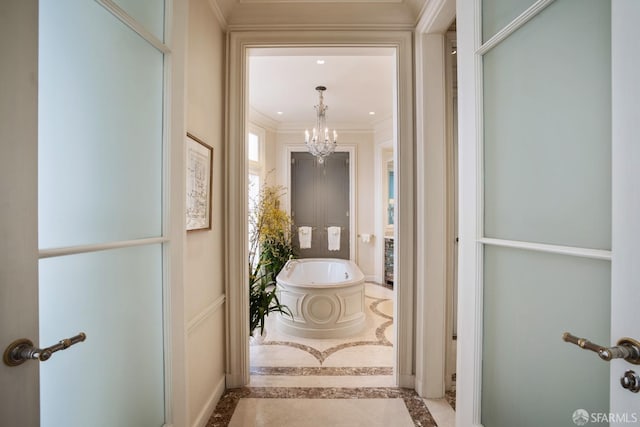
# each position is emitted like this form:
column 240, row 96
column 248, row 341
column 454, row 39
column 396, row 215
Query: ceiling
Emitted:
column 359, row 81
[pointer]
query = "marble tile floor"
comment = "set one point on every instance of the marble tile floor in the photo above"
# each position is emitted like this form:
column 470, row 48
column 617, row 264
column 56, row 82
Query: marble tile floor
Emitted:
column 321, row 407
column 329, row 382
column 364, row 360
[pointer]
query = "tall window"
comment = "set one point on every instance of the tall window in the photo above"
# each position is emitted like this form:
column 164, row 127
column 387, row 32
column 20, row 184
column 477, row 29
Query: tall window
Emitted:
column 254, row 158
column 255, row 166
column 254, row 148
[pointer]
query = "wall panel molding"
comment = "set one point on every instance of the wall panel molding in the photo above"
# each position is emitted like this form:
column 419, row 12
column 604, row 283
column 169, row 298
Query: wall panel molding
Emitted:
column 209, row 311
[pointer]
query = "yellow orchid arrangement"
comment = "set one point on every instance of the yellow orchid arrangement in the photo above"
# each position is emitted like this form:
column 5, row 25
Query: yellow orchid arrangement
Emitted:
column 269, row 249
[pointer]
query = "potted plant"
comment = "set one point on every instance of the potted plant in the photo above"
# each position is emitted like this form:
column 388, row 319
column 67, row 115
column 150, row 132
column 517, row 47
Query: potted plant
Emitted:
column 269, row 249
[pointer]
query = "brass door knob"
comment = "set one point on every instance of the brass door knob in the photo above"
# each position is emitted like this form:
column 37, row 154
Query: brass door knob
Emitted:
column 23, row 349
column 626, row 348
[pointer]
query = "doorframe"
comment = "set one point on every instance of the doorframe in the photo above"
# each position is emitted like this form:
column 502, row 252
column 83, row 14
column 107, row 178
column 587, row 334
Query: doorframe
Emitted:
column 469, row 204
column 625, row 62
column 435, row 228
column 353, row 186
column 238, row 43
column 175, row 129
column 18, row 212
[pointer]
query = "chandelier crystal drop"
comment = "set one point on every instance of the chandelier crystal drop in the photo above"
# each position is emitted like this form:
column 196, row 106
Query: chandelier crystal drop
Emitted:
column 320, row 142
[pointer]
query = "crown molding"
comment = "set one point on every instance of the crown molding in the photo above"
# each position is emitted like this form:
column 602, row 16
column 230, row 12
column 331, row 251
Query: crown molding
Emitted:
column 318, row 1
column 384, row 125
column 436, row 16
column 262, row 120
column 340, row 127
column 320, row 27
column 259, row 119
column 222, row 20
column 418, row 9
column 290, row 129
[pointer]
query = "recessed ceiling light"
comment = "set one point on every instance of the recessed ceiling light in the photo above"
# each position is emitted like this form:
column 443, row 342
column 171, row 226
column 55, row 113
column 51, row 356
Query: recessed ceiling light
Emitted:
column 372, row 113
column 320, row 61
column 280, row 113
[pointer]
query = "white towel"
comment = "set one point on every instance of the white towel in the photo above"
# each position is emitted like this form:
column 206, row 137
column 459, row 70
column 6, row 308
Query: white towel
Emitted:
column 304, row 236
column 333, row 234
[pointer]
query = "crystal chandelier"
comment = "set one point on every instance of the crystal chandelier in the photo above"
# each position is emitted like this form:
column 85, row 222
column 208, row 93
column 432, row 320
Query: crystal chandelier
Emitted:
column 319, row 143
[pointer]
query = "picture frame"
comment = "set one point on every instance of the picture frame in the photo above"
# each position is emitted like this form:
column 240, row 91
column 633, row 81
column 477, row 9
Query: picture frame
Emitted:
column 199, row 166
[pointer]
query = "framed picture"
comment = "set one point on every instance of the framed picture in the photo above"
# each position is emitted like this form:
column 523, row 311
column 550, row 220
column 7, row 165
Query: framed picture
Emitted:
column 199, row 164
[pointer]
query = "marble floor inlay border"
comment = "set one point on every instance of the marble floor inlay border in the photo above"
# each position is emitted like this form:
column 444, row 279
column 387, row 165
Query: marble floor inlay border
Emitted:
column 384, row 285
column 229, row 401
column 320, row 371
column 374, row 307
column 451, row 397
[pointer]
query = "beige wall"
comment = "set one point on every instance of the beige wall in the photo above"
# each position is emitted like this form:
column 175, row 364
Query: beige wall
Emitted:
column 271, row 156
column 204, row 255
column 371, row 147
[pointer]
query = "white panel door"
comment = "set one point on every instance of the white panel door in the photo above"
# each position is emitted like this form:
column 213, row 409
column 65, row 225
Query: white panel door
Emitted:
column 83, row 232
column 548, row 103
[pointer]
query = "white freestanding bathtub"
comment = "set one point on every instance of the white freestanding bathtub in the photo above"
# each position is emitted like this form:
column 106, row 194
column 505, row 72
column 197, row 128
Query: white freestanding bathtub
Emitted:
column 325, row 296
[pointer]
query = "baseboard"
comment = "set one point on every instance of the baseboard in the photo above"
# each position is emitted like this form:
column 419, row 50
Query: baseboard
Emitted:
column 423, row 390
column 210, row 406
column 407, row 381
column 371, row 278
column 420, row 387
column 441, row 411
column 235, row 380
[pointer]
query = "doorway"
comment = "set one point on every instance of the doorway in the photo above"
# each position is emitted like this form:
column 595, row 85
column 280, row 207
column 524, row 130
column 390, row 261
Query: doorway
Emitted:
column 337, row 194
column 241, row 44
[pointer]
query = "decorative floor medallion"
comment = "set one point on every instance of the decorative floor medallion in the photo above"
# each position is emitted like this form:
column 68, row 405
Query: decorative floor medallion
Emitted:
column 380, row 319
